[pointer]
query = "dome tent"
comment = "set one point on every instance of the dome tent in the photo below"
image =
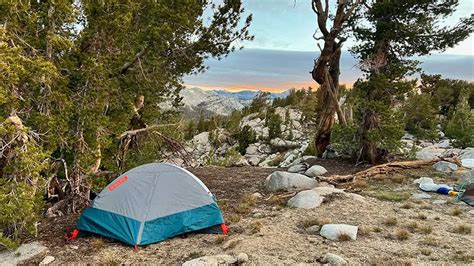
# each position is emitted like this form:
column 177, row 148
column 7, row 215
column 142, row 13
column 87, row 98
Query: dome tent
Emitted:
column 151, row 203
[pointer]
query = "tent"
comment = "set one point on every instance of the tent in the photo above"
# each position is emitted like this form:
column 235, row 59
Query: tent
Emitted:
column 151, row 203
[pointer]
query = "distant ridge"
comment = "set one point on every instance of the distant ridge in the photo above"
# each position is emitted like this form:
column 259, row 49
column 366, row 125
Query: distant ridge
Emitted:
column 246, row 96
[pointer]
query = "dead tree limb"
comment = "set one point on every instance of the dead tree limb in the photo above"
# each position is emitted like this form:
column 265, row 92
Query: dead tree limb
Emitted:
column 384, row 169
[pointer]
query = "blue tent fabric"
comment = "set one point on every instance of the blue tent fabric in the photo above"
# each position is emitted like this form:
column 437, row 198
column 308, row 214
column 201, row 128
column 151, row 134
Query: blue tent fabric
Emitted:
column 109, row 224
column 151, row 203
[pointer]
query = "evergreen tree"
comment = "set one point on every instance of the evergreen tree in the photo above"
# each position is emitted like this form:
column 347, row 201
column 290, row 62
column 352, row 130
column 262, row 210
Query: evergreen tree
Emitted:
column 80, row 73
column 392, row 32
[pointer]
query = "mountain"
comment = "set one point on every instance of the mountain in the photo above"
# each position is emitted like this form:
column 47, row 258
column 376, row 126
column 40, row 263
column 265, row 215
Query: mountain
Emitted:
column 196, row 101
column 246, row 96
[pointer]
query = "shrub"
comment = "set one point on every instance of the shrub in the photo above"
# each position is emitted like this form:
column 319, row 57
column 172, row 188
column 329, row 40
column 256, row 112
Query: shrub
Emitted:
column 343, row 138
column 273, row 122
column 460, row 126
column 245, row 136
column 419, row 117
column 21, row 186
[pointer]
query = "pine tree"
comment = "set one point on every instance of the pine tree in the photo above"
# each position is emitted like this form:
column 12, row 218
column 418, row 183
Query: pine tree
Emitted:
column 392, row 32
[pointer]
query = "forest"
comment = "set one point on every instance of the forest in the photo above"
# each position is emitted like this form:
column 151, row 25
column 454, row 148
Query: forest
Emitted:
column 83, row 83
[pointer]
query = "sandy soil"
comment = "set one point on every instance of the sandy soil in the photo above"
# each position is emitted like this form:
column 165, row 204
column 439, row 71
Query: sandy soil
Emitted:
column 273, row 234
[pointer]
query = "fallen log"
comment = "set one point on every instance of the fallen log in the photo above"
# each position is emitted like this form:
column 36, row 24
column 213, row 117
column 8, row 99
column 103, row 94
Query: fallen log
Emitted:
column 385, row 169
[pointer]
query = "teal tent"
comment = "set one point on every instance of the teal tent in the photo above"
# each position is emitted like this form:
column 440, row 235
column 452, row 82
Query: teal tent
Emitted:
column 151, row 203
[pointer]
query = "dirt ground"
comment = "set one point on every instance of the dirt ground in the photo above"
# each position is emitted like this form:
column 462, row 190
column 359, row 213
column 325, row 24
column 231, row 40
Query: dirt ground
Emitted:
column 393, row 228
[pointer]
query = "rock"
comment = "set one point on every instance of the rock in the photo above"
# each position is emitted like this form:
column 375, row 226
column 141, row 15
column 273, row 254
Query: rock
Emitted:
column 215, row 260
column 429, row 153
column 278, row 143
column 307, row 199
column 299, row 168
column 467, row 178
column 408, row 136
column 333, row 260
column 242, row 162
column 333, row 231
column 316, row 170
column 421, row 195
column 242, row 258
column 441, row 134
column 310, row 160
column 23, row 253
column 439, row 202
column 445, row 167
column 252, row 149
column 47, row 260
column 468, row 163
column 288, row 181
column 443, row 144
column 253, row 159
column 257, row 195
column 74, row 247
column 467, row 153
column 330, row 154
column 313, row 230
column 324, row 191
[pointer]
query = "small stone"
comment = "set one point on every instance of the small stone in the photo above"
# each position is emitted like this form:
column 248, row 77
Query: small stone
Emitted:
column 298, row 168
column 421, row 195
column 315, row 170
column 333, row 231
column 74, row 247
column 258, row 215
column 242, row 258
column 333, row 260
column 47, row 260
column 313, row 230
column 257, row 195
column 440, row 201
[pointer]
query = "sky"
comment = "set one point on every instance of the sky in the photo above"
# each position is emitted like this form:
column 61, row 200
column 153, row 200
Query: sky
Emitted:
column 282, row 53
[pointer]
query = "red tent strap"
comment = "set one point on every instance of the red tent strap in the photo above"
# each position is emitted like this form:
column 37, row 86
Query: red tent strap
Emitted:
column 225, row 229
column 73, row 235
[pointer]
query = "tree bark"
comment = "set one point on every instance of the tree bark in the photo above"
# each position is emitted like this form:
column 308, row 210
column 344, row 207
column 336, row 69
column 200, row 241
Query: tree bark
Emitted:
column 326, row 70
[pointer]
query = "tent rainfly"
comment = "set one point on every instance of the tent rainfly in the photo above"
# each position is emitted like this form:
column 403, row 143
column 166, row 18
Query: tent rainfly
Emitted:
column 151, row 203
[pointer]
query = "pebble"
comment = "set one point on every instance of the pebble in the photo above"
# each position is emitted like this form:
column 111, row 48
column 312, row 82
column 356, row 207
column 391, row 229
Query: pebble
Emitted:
column 313, row 230
column 242, row 258
column 440, row 201
column 421, row 195
column 333, row 260
column 47, row 260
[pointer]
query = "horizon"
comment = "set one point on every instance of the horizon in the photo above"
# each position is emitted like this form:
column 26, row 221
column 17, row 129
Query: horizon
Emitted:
column 278, row 70
column 290, row 38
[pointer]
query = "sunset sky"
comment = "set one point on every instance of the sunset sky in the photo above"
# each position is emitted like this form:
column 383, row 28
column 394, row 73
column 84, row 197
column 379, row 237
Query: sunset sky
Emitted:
column 283, row 51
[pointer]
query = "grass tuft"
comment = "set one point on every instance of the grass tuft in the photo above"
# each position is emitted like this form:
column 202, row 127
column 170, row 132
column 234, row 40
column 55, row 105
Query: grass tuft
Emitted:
column 463, row 229
column 390, row 221
column 427, row 229
column 392, row 196
column 344, row 237
column 456, row 211
column 402, row 234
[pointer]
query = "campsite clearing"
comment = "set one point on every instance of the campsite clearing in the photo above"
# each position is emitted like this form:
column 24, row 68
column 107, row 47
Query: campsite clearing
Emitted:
column 262, row 227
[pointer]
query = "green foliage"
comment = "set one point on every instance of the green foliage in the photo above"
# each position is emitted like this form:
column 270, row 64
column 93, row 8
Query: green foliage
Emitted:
column 343, row 138
column 21, row 185
column 258, row 104
column 245, row 136
column 445, row 94
column 231, row 158
column 461, row 126
column 72, row 71
column 273, row 121
column 419, row 117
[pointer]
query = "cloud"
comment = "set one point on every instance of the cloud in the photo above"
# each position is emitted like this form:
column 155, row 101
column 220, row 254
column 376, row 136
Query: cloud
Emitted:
column 275, row 70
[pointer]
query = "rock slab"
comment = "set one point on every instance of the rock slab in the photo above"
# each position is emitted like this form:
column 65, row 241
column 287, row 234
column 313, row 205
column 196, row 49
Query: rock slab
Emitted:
column 307, row 199
column 25, row 251
column 333, row 260
column 333, row 231
column 280, row 180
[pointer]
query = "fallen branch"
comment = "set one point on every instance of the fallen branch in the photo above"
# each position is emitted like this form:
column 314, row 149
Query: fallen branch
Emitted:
column 386, row 169
column 130, row 133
